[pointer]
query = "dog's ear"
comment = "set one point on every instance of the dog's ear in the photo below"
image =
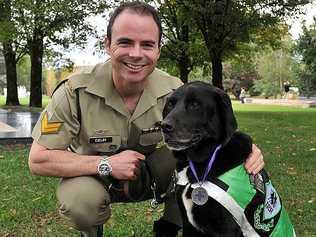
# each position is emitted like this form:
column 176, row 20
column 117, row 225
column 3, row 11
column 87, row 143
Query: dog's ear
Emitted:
column 166, row 108
column 226, row 114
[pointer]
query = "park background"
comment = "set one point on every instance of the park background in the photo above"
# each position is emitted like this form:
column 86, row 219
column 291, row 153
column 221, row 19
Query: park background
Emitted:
column 258, row 45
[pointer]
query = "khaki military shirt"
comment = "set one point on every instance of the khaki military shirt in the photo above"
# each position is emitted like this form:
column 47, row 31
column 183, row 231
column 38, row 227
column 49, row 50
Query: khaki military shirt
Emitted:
column 106, row 125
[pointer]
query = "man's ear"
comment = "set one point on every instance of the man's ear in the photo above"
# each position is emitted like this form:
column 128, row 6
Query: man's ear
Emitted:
column 107, row 44
column 226, row 114
column 159, row 48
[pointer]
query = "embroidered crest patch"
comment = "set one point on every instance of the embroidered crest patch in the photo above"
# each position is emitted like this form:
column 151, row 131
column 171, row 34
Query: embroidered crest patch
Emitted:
column 272, row 204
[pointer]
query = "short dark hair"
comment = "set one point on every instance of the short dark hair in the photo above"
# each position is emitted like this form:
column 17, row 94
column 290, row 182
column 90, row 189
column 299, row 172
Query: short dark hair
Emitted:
column 141, row 8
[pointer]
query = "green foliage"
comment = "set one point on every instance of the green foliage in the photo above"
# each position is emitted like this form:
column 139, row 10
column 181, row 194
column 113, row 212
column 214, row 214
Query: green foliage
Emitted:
column 39, row 25
column 183, row 47
column 225, row 24
column 201, row 74
column 276, row 67
column 306, row 47
column 24, row 72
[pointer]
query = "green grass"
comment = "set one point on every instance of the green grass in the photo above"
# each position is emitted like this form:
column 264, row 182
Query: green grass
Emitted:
column 286, row 136
column 24, row 102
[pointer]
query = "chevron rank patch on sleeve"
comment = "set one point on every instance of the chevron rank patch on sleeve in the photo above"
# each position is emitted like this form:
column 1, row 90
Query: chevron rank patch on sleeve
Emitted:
column 49, row 127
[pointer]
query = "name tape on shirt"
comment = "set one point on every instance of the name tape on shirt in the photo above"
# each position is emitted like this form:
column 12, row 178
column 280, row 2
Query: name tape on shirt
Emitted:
column 96, row 140
column 49, row 127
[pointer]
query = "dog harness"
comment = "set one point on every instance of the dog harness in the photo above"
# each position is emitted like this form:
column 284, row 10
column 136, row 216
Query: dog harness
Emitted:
column 251, row 200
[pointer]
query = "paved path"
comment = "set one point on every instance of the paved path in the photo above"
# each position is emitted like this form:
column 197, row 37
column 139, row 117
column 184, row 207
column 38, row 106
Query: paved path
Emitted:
column 304, row 103
column 16, row 127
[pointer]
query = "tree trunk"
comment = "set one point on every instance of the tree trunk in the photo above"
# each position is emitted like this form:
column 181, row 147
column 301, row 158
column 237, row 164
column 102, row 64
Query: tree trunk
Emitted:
column 11, row 74
column 184, row 62
column 217, row 72
column 184, row 67
column 9, row 57
column 36, row 52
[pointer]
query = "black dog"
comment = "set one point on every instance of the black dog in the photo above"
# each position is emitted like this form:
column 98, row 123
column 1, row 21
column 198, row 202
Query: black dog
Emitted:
column 197, row 120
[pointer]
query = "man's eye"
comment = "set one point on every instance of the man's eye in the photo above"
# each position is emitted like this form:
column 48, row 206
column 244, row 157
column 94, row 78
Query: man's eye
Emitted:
column 124, row 43
column 148, row 46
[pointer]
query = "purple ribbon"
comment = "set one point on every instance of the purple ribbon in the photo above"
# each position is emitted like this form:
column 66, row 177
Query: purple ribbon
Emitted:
column 209, row 166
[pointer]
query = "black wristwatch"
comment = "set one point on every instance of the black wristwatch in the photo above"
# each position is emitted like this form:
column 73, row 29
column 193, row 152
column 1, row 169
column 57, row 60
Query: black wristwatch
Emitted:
column 104, row 167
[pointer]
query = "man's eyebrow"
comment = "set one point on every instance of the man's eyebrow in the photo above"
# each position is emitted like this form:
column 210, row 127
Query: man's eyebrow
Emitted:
column 124, row 40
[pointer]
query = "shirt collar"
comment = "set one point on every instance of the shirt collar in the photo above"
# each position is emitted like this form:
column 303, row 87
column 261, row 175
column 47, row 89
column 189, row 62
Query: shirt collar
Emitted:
column 102, row 86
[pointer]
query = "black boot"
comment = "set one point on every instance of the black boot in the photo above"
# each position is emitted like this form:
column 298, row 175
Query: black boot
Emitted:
column 164, row 228
column 99, row 231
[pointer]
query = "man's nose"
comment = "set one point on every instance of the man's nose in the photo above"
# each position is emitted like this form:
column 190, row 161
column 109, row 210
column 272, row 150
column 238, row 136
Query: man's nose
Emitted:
column 135, row 51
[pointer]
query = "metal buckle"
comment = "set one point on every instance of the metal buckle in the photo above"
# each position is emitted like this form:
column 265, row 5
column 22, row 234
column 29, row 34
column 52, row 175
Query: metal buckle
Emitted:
column 154, row 203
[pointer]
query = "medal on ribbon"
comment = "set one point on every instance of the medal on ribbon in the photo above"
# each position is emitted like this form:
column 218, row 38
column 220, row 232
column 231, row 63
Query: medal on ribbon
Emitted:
column 199, row 195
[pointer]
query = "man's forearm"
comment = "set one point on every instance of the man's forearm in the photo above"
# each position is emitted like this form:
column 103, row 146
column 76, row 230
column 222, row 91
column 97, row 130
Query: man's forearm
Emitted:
column 59, row 163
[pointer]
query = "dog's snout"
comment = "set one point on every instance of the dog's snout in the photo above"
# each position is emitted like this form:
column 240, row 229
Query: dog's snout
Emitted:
column 166, row 127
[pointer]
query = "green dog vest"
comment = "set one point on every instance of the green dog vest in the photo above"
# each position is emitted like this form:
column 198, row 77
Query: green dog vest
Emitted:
column 253, row 201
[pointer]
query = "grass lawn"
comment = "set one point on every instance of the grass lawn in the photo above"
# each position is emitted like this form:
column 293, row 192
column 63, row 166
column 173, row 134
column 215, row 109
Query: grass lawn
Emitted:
column 286, row 136
column 24, row 102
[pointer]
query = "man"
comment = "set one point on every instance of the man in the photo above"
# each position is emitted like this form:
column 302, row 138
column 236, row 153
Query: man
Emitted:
column 286, row 87
column 242, row 95
column 101, row 126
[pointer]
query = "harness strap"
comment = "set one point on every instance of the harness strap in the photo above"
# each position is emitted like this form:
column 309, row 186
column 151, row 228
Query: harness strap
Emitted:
column 78, row 107
column 225, row 200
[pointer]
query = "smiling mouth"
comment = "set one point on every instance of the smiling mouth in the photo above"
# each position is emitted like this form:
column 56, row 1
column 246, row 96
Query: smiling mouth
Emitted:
column 134, row 67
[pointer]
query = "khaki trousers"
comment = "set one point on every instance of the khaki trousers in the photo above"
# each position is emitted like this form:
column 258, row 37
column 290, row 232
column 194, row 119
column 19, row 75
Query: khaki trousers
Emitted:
column 85, row 201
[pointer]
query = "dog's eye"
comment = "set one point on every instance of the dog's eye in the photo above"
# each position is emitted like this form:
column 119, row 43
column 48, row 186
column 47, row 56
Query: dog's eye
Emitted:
column 170, row 104
column 193, row 105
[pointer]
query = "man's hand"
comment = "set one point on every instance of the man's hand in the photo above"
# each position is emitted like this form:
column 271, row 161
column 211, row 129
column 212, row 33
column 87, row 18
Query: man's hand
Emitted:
column 254, row 162
column 126, row 164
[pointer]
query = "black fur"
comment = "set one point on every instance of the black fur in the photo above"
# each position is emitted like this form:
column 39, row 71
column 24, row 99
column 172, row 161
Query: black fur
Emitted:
column 197, row 117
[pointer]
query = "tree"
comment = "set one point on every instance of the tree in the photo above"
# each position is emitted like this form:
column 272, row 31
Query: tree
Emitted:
column 276, row 67
column 184, row 48
column 44, row 23
column 306, row 47
column 225, row 23
column 31, row 26
column 23, row 72
column 12, row 50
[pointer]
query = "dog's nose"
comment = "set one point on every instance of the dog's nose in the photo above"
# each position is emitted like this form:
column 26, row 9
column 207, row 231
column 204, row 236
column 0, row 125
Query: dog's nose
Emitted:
column 166, row 127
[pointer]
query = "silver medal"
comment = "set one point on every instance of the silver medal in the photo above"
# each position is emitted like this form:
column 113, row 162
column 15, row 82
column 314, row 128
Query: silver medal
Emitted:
column 199, row 196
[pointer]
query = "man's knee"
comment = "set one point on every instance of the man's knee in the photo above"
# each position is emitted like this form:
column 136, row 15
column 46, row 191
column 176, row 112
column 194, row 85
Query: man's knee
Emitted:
column 84, row 201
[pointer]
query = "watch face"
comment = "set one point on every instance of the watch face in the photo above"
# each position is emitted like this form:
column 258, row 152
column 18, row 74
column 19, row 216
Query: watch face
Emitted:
column 104, row 169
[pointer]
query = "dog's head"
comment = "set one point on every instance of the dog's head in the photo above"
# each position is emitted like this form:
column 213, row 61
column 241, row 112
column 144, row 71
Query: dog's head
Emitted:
column 197, row 112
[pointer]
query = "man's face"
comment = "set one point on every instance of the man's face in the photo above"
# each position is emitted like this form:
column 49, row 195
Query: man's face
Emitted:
column 134, row 46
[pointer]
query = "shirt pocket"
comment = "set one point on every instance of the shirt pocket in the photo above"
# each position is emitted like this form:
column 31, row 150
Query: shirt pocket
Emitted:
column 105, row 143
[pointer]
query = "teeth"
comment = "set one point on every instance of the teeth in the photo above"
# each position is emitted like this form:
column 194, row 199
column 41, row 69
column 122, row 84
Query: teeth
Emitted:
column 135, row 67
